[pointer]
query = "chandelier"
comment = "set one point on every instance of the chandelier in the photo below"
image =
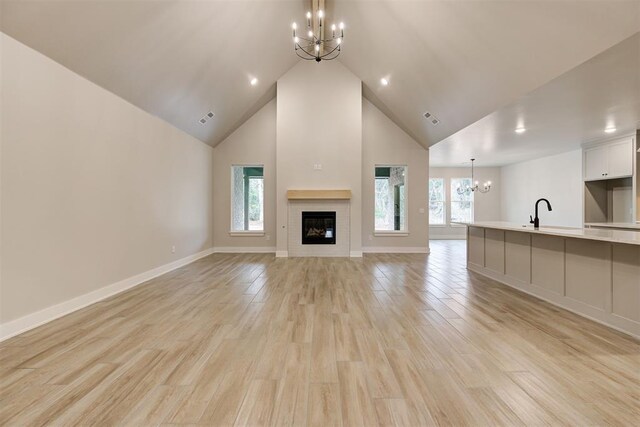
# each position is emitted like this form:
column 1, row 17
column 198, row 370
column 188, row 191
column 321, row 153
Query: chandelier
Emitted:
column 314, row 46
column 469, row 189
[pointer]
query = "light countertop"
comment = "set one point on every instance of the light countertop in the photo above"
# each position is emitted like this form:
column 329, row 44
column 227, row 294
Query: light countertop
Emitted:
column 615, row 236
column 629, row 225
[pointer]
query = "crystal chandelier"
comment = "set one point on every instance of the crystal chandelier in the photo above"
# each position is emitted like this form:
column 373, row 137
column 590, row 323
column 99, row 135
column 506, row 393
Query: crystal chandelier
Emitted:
column 314, row 46
column 476, row 187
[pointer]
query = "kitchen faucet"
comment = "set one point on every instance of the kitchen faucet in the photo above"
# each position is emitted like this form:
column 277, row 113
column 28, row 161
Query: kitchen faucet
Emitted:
column 536, row 221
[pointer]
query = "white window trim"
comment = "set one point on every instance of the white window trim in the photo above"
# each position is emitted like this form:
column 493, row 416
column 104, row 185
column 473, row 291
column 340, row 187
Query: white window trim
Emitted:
column 391, row 233
column 388, row 233
column 451, row 223
column 444, row 202
column 244, row 233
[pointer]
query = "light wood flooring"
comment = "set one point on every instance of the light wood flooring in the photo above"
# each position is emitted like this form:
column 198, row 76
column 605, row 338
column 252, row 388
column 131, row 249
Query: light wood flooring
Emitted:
column 384, row 340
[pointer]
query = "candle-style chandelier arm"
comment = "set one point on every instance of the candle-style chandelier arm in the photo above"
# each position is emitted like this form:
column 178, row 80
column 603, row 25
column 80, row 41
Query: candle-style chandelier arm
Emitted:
column 317, row 48
column 315, row 55
column 486, row 187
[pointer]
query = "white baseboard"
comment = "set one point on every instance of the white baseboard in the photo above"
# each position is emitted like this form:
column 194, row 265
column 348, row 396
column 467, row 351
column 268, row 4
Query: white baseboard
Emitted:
column 282, row 254
column 355, row 254
column 244, row 249
column 395, row 250
column 33, row 320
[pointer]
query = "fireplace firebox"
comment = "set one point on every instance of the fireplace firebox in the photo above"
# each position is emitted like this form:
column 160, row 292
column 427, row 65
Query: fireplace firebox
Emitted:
column 318, row 228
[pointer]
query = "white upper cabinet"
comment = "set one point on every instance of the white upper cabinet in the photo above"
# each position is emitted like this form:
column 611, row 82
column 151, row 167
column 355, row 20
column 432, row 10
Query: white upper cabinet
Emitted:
column 595, row 163
column 613, row 160
column 621, row 159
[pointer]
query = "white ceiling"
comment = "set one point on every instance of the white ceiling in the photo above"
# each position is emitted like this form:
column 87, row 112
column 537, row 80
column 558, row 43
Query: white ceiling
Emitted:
column 175, row 59
column 572, row 109
column 461, row 60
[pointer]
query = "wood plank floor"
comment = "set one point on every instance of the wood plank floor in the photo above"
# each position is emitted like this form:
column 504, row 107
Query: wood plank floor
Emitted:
column 385, row 340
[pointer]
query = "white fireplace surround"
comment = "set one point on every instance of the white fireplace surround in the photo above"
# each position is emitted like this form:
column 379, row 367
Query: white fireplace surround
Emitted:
column 295, row 248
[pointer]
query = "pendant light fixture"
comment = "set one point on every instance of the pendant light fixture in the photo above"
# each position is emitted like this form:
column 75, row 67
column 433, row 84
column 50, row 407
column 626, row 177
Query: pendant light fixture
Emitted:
column 486, row 187
column 314, row 45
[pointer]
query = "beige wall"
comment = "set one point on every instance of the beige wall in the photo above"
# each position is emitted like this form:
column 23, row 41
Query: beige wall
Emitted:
column 487, row 206
column 94, row 190
column 384, row 143
column 254, row 143
column 319, row 121
column 557, row 178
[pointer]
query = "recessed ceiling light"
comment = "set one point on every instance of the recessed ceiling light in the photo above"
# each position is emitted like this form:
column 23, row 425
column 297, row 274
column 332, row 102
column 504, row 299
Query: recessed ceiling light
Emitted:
column 254, row 81
column 521, row 130
column 610, row 129
column 384, row 82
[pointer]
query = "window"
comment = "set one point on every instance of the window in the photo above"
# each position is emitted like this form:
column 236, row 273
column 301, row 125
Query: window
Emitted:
column 390, row 198
column 247, row 198
column 461, row 204
column 436, row 201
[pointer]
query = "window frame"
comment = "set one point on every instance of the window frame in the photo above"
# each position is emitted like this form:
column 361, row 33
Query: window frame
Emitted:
column 389, row 233
column 445, row 213
column 472, row 201
column 246, row 233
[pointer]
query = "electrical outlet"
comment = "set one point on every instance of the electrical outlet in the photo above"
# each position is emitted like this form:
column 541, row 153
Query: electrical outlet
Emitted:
column 173, row 249
column 267, row 236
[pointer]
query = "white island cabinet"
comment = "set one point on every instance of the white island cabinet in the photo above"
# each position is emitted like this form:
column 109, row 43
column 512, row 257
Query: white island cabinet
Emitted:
column 592, row 272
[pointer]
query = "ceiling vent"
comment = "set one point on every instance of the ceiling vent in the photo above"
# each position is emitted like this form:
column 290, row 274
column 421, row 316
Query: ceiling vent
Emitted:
column 208, row 116
column 432, row 119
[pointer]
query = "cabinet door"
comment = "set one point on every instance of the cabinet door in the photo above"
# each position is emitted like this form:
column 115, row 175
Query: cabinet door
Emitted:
column 620, row 157
column 595, row 163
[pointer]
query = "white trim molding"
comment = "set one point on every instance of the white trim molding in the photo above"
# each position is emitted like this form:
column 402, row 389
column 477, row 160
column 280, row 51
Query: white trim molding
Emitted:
column 395, row 250
column 244, row 249
column 449, row 237
column 282, row 254
column 391, row 233
column 246, row 233
column 355, row 254
column 33, row 320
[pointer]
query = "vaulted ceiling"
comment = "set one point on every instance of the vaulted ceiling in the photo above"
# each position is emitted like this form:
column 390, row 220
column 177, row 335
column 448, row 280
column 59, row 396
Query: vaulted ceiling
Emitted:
column 460, row 60
column 561, row 115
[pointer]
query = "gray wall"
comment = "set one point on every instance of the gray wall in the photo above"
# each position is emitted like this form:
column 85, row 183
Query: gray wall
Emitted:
column 94, row 190
column 319, row 121
column 557, row 178
column 487, row 207
column 384, row 143
column 254, row 143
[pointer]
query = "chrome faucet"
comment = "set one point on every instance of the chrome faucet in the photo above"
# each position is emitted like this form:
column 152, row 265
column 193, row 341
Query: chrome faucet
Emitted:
column 536, row 221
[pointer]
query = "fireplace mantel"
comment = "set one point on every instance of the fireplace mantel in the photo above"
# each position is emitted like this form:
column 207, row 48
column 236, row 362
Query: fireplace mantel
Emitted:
column 319, row 194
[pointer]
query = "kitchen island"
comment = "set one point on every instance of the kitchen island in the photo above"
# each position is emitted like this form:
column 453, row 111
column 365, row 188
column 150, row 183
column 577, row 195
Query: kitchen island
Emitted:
column 592, row 272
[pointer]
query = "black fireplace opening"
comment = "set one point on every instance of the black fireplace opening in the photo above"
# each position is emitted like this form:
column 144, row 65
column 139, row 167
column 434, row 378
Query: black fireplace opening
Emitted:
column 318, row 228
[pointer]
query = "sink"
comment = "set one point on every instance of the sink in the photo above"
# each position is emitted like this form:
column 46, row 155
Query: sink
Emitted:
column 556, row 227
